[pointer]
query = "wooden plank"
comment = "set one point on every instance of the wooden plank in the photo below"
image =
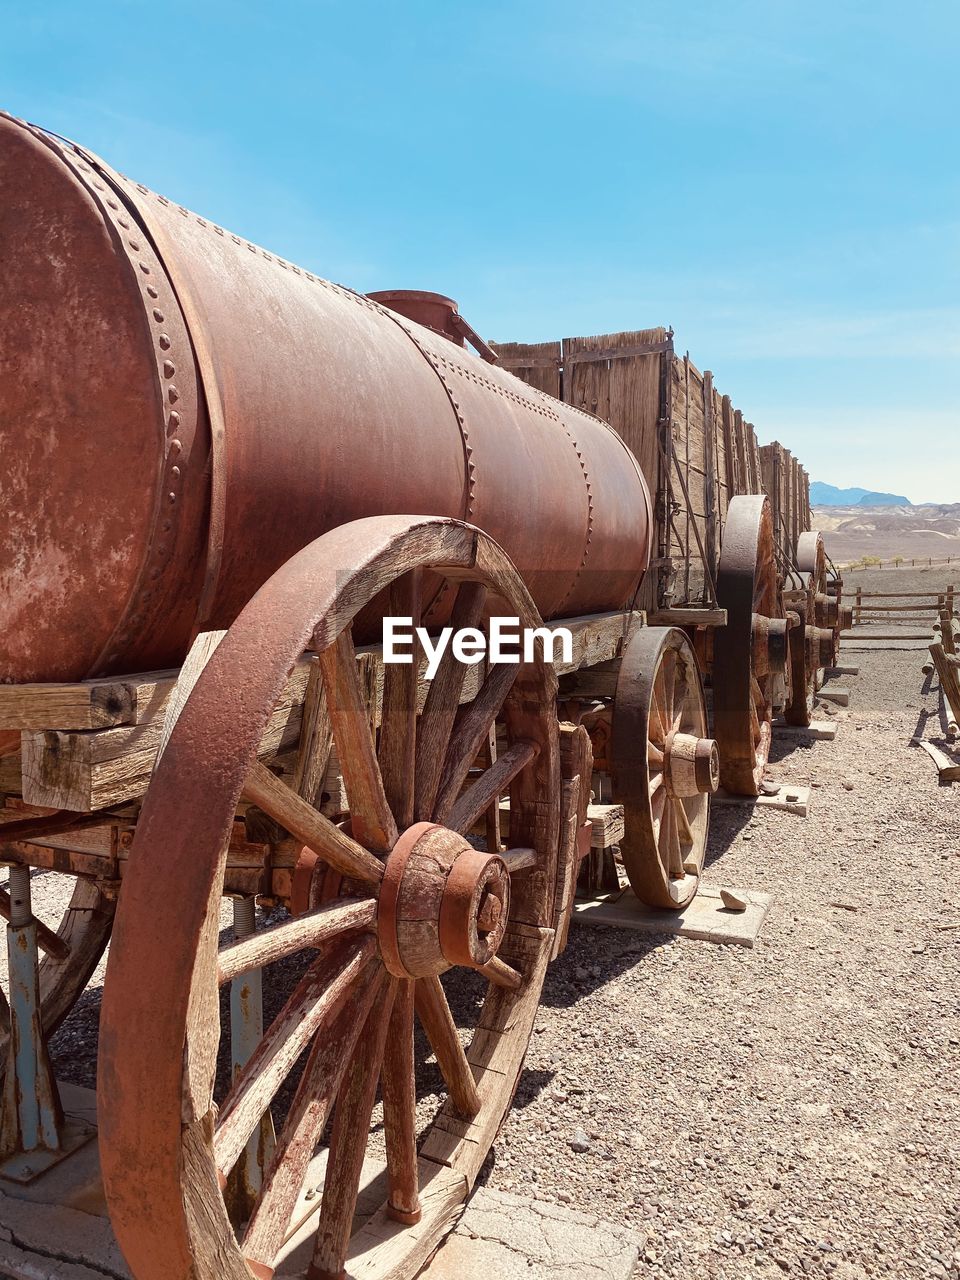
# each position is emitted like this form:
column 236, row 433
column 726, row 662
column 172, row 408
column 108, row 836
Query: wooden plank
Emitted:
column 688, row 617
column 535, row 363
column 711, row 524
column 105, row 767
column 93, row 704
column 949, row 770
column 628, row 394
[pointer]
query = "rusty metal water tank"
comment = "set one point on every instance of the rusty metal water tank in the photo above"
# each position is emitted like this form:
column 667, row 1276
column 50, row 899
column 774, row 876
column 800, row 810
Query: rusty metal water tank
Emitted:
column 181, row 411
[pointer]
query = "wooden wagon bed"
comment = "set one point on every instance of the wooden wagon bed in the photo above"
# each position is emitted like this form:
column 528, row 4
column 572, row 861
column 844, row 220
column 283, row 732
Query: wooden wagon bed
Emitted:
column 696, row 450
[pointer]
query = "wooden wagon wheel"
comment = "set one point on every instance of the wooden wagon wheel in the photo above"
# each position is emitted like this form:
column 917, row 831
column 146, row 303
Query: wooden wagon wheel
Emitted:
column 70, row 946
column 804, row 639
column 664, row 766
column 423, row 899
column 840, row 615
column 751, row 649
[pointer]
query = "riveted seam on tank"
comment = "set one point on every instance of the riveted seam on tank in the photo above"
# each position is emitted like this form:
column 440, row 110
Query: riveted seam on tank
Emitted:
column 163, row 529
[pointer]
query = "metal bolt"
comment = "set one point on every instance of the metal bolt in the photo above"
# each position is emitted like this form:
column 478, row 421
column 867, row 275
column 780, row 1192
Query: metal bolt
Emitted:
column 20, row 912
column 169, row 368
column 244, row 917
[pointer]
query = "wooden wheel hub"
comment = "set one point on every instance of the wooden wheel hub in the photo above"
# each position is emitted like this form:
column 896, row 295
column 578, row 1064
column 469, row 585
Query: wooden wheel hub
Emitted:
column 769, row 643
column 441, row 903
column 827, row 609
column 691, row 765
column 820, row 640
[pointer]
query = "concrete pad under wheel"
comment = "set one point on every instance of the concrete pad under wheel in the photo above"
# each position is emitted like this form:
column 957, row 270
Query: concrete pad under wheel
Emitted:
column 819, row 730
column 841, row 671
column 513, row 1238
column 834, row 694
column 706, row 918
column 789, row 799
column 55, row 1228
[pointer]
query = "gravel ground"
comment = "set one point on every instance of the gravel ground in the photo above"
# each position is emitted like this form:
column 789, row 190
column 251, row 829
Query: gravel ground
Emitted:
column 788, row 1109
column 792, row 1108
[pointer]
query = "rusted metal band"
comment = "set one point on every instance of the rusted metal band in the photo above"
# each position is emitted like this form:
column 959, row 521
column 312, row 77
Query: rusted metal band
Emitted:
column 208, row 378
column 134, row 242
column 469, row 465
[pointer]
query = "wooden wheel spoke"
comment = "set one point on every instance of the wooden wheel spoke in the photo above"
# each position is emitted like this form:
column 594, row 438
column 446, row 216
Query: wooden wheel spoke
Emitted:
column 398, row 1084
column 437, row 1021
column 669, row 668
column 519, row 859
column 49, row 942
column 679, row 701
column 669, row 843
column 501, row 974
column 316, row 739
column 371, row 819
column 312, row 1004
column 348, row 1142
column 469, row 733
column 312, row 930
column 490, row 785
column 654, row 754
column 683, row 823
column 659, row 724
column 655, row 784
column 398, row 722
column 754, row 722
column 442, row 702
column 658, row 802
column 305, row 823
column 283, row 1180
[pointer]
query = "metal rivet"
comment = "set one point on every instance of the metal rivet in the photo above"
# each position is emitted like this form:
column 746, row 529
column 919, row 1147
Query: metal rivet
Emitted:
column 152, row 291
column 155, row 573
column 166, row 526
column 176, row 448
column 135, row 245
column 122, row 222
column 169, row 368
column 164, row 341
column 158, row 315
column 112, row 204
column 174, row 394
column 144, row 268
column 171, row 498
column 174, row 420
column 175, row 472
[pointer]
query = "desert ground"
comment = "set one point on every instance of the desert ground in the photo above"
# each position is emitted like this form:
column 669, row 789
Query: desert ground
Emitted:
column 916, row 533
column 791, row 1109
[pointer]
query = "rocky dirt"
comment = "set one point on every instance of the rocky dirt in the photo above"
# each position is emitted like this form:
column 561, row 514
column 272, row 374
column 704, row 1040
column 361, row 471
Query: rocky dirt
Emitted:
column 791, row 1109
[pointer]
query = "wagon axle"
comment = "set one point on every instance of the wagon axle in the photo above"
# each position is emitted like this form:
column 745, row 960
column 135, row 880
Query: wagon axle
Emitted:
column 442, row 903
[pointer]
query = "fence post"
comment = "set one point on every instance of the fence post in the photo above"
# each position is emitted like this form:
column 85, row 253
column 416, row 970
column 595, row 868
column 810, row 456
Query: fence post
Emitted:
column 859, row 606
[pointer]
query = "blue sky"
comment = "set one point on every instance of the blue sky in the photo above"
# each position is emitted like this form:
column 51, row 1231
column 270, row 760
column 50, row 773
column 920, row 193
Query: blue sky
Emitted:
column 778, row 181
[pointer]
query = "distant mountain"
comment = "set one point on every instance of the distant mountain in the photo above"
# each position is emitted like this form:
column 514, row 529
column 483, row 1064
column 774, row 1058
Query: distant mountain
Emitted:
column 828, row 495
